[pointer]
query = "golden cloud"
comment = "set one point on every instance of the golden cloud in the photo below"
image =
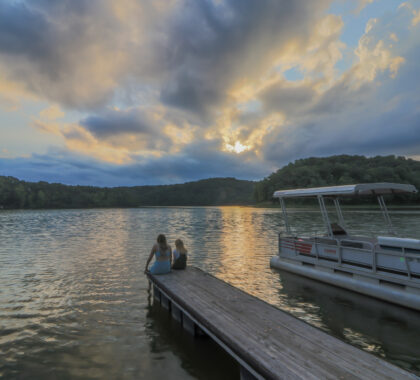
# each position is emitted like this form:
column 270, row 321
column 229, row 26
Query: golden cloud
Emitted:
column 373, row 58
column 12, row 93
column 53, row 112
column 416, row 18
column 79, row 140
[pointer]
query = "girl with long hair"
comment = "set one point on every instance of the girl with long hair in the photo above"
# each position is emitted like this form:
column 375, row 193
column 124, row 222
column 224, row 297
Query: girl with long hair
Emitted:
column 163, row 257
column 180, row 255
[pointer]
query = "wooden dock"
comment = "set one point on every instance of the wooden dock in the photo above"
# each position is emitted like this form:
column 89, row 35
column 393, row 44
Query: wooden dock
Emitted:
column 267, row 342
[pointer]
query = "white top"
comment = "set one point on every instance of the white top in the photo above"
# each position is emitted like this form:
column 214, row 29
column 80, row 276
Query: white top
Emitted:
column 349, row 190
column 176, row 254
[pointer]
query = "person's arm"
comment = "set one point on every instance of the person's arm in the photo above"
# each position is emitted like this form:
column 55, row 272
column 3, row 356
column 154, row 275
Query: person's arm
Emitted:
column 149, row 259
column 170, row 256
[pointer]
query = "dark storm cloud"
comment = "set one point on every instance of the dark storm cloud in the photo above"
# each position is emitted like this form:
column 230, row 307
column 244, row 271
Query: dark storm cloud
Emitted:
column 191, row 94
column 286, row 98
column 56, row 167
column 364, row 128
column 24, row 31
column 79, row 53
column 342, row 96
column 187, row 65
column 114, row 122
column 213, row 44
column 49, row 47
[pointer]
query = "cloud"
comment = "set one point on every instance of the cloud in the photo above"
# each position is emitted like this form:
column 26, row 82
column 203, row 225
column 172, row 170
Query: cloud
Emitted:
column 374, row 57
column 213, row 46
column 362, row 4
column 371, row 109
column 286, row 97
column 80, row 53
column 115, row 122
column 11, row 94
column 53, row 112
column 198, row 162
column 167, row 91
column 71, row 52
column 416, row 18
column 47, row 127
column 324, row 49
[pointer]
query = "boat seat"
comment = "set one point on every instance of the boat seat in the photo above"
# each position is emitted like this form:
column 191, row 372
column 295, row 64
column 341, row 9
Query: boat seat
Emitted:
column 337, row 230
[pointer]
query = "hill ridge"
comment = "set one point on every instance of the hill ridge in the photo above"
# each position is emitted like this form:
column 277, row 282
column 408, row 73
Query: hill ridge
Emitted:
column 218, row 191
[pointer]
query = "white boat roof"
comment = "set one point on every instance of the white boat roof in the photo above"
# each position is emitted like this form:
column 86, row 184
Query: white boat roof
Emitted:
column 348, row 190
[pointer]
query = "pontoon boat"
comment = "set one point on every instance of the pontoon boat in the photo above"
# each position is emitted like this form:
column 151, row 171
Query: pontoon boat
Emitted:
column 385, row 267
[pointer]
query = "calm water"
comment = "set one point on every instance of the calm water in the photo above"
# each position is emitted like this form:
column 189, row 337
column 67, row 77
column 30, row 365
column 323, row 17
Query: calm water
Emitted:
column 74, row 302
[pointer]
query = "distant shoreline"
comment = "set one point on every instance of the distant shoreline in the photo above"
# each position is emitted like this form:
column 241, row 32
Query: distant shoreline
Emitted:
column 228, row 191
column 355, row 207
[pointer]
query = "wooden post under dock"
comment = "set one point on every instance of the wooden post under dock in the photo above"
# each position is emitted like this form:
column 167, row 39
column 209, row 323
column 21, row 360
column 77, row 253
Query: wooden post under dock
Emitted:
column 266, row 342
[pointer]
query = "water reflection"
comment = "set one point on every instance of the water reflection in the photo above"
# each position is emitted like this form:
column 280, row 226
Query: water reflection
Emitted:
column 384, row 329
column 199, row 358
column 244, row 251
column 73, row 297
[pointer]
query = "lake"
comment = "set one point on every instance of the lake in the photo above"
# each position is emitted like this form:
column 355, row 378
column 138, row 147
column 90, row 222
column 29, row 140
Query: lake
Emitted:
column 74, row 302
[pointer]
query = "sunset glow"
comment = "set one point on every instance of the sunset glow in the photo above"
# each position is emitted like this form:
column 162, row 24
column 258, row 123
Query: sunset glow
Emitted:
column 237, row 148
column 141, row 92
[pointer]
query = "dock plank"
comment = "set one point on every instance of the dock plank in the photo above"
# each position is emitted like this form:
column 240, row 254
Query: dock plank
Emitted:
column 272, row 342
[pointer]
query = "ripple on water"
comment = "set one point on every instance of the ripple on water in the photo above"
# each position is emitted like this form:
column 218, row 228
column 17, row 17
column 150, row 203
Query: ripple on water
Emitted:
column 74, row 301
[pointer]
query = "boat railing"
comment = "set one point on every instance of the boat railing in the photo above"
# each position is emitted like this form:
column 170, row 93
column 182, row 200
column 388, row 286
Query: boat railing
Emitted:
column 365, row 246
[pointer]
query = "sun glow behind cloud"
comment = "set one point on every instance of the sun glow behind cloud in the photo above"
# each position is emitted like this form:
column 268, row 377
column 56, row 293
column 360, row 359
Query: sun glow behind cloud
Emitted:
column 237, row 147
column 161, row 83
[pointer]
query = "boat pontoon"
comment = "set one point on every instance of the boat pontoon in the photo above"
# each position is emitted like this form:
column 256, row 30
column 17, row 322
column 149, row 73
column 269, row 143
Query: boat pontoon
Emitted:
column 385, row 267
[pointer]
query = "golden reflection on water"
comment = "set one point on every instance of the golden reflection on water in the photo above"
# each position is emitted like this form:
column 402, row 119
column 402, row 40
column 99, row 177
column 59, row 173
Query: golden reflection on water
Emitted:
column 74, row 278
column 247, row 243
column 243, row 259
column 360, row 340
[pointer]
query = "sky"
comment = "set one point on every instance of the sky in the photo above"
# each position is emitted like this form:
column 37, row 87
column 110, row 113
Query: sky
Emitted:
column 143, row 92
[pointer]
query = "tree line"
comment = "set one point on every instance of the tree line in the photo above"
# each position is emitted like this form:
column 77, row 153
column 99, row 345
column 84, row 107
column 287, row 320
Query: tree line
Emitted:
column 342, row 170
column 308, row 172
column 16, row 194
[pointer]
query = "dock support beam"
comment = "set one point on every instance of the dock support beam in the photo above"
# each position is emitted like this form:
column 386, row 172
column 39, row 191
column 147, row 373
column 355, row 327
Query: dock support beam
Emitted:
column 156, row 293
column 188, row 324
column 312, row 353
column 246, row 375
column 176, row 313
column 196, row 330
column 165, row 302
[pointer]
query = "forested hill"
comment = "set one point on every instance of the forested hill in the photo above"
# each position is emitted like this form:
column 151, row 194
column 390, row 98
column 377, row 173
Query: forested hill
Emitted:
column 215, row 191
column 308, row 172
column 341, row 170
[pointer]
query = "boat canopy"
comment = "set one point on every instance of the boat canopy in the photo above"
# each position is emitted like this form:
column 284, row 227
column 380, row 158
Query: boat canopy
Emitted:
column 349, row 190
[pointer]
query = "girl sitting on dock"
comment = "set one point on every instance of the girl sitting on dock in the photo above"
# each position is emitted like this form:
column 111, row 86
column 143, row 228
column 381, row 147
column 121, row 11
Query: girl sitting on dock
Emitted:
column 180, row 255
column 163, row 257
